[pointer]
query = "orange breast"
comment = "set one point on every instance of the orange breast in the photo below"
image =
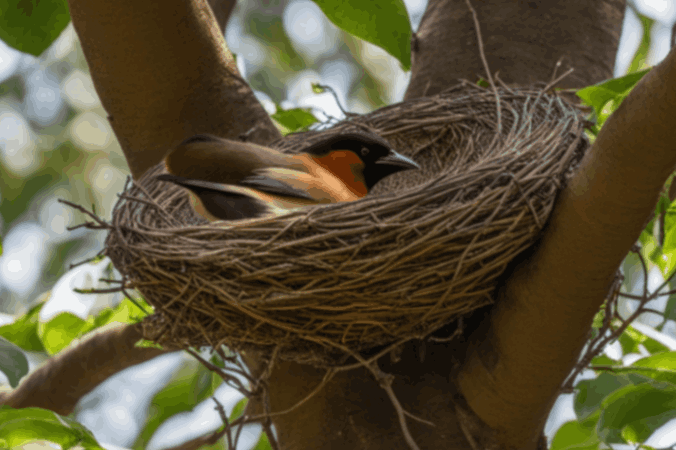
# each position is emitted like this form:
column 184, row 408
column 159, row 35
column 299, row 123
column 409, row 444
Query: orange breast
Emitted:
column 345, row 171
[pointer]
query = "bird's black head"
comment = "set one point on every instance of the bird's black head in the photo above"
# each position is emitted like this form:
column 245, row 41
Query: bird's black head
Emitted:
column 375, row 153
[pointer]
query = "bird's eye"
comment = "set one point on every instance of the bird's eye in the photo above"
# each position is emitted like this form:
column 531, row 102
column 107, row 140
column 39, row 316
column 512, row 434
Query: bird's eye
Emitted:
column 364, row 151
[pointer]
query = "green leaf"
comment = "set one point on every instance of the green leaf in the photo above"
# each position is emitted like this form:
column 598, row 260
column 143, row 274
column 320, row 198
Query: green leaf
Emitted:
column 604, row 91
column 191, row 384
column 125, row 312
column 603, row 360
column 636, row 411
column 13, row 362
column 654, row 346
column 32, row 25
column 632, row 338
column 295, row 119
column 659, row 367
column 640, row 59
column 216, row 360
column 670, row 310
column 640, row 430
column 238, row 410
column 24, row 331
column 606, row 96
column 263, row 443
column 575, row 435
column 143, row 343
column 62, row 330
column 384, row 23
column 628, row 342
column 21, row 426
column 591, row 393
column 483, row 83
column 598, row 319
column 669, row 245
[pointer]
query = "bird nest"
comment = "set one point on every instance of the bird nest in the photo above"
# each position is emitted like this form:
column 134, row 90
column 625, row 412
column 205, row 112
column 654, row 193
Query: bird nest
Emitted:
column 424, row 249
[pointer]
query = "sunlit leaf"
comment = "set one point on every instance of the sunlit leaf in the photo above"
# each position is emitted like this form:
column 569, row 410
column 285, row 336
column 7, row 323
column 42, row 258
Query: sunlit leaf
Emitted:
column 631, row 339
column 143, row 343
column 21, row 426
column 384, row 23
column 295, row 119
column 263, row 443
column 125, row 312
column 640, row 59
column 640, row 430
column 62, row 330
column 659, row 367
column 640, row 406
column 603, row 360
column 238, row 410
column 575, row 435
column 600, row 96
column 669, row 224
column 24, row 331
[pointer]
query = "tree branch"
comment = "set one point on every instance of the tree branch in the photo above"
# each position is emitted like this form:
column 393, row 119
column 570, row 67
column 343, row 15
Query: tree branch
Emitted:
column 222, row 10
column 163, row 73
column 64, row 379
column 522, row 40
column 511, row 379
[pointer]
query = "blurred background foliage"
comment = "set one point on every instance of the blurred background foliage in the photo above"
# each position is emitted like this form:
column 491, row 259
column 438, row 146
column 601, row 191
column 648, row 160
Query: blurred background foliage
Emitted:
column 56, row 142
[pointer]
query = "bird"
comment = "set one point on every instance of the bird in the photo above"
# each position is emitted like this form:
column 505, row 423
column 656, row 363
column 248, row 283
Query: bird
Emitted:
column 233, row 180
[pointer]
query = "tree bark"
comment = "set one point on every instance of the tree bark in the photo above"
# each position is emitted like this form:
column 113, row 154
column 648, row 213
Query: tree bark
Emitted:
column 163, row 73
column 523, row 41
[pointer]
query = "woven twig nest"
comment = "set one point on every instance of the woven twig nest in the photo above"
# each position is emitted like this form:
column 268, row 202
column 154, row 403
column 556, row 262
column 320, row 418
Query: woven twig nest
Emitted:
column 423, row 250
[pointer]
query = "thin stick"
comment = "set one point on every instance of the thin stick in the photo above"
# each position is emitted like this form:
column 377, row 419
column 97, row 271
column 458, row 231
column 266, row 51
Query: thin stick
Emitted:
column 485, row 63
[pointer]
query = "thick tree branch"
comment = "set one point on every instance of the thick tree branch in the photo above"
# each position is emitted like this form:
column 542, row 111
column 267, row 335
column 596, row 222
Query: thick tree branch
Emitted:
column 522, row 40
column 511, row 379
column 163, row 73
column 222, row 10
column 64, row 379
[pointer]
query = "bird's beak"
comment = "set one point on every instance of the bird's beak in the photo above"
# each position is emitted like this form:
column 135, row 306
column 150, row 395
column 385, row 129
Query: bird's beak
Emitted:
column 398, row 160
